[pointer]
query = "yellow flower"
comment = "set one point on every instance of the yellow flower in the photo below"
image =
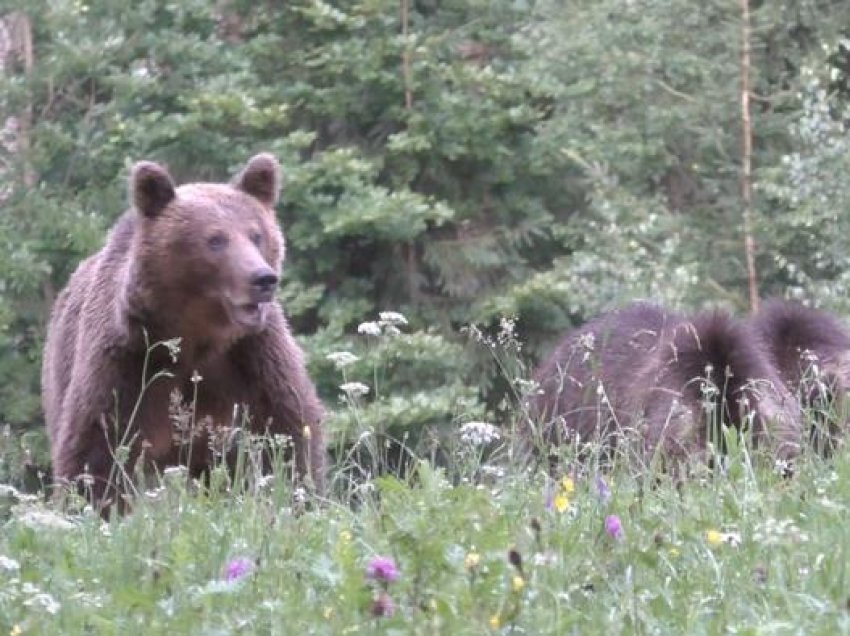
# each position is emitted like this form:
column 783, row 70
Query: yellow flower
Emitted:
column 16, row 631
column 345, row 537
column 518, row 583
column 328, row 613
column 674, row 552
column 495, row 621
column 568, row 485
column 472, row 560
column 713, row 538
column 561, row 502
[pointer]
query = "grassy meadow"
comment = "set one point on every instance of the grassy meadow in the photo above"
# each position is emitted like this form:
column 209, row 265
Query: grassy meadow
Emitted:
column 481, row 546
column 466, row 539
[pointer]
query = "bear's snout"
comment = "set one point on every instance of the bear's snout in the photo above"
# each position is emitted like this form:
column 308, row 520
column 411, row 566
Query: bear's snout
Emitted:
column 263, row 283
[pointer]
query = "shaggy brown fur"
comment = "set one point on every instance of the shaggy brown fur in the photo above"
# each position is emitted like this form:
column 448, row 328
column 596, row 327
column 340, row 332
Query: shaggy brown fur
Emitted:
column 811, row 349
column 655, row 377
column 200, row 263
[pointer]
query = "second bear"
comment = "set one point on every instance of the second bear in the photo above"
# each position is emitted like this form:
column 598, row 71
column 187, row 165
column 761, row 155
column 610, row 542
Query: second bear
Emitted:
column 811, row 349
column 651, row 380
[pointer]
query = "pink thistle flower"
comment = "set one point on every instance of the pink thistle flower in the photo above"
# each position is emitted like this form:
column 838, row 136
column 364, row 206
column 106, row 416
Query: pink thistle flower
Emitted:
column 382, row 605
column 382, row 569
column 614, row 527
column 238, row 568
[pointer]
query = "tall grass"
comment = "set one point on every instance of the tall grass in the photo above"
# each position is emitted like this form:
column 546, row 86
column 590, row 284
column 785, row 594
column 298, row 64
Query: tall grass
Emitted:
column 482, row 544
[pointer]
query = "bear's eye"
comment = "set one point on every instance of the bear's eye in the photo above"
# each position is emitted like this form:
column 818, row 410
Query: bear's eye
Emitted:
column 217, row 242
column 256, row 238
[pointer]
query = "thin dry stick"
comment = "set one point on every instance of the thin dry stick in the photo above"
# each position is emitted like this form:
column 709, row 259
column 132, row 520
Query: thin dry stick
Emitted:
column 747, row 157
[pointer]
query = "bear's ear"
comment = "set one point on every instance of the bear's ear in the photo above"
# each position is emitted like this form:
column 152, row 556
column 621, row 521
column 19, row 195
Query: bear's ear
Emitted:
column 151, row 188
column 260, row 178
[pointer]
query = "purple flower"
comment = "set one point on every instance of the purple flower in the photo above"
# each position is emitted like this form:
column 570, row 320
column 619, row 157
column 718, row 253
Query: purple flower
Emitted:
column 238, row 569
column 602, row 490
column 382, row 569
column 382, row 605
column 614, row 527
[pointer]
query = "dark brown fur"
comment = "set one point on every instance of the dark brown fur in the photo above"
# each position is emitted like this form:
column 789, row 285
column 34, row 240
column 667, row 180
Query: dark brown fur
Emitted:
column 646, row 374
column 198, row 262
column 811, row 349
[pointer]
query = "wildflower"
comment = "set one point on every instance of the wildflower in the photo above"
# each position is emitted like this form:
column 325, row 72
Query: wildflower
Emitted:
column 175, row 472
column 614, row 527
column 479, row 433
column 776, row 532
column 544, row 559
column 382, row 569
column 328, row 613
column 345, row 537
column 392, row 318
column 354, row 389
column 382, row 605
column 471, row 561
column 517, row 584
column 713, row 538
column 238, row 568
column 16, row 631
column 307, row 432
column 342, row 359
column 561, row 502
column 494, row 472
column 45, row 601
column 369, row 329
column 495, row 621
column 783, row 468
column 37, row 518
column 8, row 564
column 568, row 485
column 602, row 490
column 265, row 482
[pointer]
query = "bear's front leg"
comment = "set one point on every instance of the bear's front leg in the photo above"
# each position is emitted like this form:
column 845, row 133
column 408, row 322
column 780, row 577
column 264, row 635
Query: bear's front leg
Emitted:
column 273, row 369
column 86, row 458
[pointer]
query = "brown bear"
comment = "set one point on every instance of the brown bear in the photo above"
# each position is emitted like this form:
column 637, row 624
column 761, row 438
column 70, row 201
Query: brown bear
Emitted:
column 201, row 263
column 653, row 380
column 811, row 349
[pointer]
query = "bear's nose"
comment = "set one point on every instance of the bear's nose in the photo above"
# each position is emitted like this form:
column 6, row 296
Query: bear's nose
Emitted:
column 264, row 281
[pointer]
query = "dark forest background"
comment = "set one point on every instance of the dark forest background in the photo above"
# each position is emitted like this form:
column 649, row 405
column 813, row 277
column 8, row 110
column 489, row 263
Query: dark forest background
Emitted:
column 458, row 161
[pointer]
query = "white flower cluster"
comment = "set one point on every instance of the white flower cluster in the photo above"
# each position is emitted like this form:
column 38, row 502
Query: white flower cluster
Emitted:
column 8, row 564
column 342, row 359
column 39, row 599
column 479, row 433
column 392, row 318
column 354, row 389
column 778, row 531
column 387, row 324
column 37, row 518
column 369, row 328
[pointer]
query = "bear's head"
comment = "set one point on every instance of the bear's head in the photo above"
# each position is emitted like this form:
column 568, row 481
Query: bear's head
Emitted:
column 207, row 256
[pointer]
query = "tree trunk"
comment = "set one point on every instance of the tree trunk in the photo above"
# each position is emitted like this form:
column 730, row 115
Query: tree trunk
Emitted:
column 747, row 157
column 16, row 53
